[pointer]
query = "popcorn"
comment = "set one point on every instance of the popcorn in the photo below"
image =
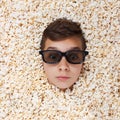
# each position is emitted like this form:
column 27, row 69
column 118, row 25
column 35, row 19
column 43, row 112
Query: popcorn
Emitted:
column 25, row 93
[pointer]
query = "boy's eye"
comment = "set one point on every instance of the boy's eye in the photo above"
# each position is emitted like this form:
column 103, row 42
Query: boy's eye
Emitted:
column 73, row 57
column 52, row 56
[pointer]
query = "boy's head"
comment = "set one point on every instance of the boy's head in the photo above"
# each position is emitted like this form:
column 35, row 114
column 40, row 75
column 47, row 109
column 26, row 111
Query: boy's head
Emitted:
column 63, row 52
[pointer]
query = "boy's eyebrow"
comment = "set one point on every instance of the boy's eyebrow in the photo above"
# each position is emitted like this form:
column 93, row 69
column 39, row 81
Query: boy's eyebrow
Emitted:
column 75, row 48
column 55, row 48
column 51, row 48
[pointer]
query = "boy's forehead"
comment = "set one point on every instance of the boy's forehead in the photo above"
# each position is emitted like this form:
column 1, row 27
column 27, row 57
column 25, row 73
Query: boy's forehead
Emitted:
column 66, row 44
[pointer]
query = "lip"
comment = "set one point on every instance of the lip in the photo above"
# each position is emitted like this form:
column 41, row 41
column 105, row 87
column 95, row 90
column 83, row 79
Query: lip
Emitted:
column 63, row 78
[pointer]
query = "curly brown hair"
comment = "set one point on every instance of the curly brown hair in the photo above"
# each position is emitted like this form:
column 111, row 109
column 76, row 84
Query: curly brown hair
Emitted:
column 61, row 29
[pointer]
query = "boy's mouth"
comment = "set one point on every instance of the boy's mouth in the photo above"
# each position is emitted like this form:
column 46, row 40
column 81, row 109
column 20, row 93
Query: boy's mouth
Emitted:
column 63, row 78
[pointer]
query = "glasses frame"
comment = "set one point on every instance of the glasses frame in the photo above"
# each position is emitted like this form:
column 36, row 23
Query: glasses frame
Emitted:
column 63, row 55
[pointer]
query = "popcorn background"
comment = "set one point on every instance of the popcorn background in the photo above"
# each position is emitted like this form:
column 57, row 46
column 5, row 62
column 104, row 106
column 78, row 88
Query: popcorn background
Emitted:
column 25, row 93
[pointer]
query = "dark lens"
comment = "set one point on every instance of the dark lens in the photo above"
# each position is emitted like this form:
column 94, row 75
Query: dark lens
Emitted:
column 75, row 57
column 51, row 56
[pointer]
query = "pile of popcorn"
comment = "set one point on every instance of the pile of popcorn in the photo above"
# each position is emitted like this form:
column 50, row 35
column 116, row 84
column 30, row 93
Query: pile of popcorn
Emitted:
column 25, row 93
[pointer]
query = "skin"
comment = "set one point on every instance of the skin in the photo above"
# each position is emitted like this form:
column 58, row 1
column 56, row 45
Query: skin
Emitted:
column 63, row 74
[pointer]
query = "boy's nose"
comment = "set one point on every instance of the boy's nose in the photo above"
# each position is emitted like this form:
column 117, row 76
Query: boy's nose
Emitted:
column 63, row 65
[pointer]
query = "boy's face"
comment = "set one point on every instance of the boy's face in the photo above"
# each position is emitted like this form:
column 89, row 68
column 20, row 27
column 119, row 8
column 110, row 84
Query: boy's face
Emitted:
column 63, row 74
